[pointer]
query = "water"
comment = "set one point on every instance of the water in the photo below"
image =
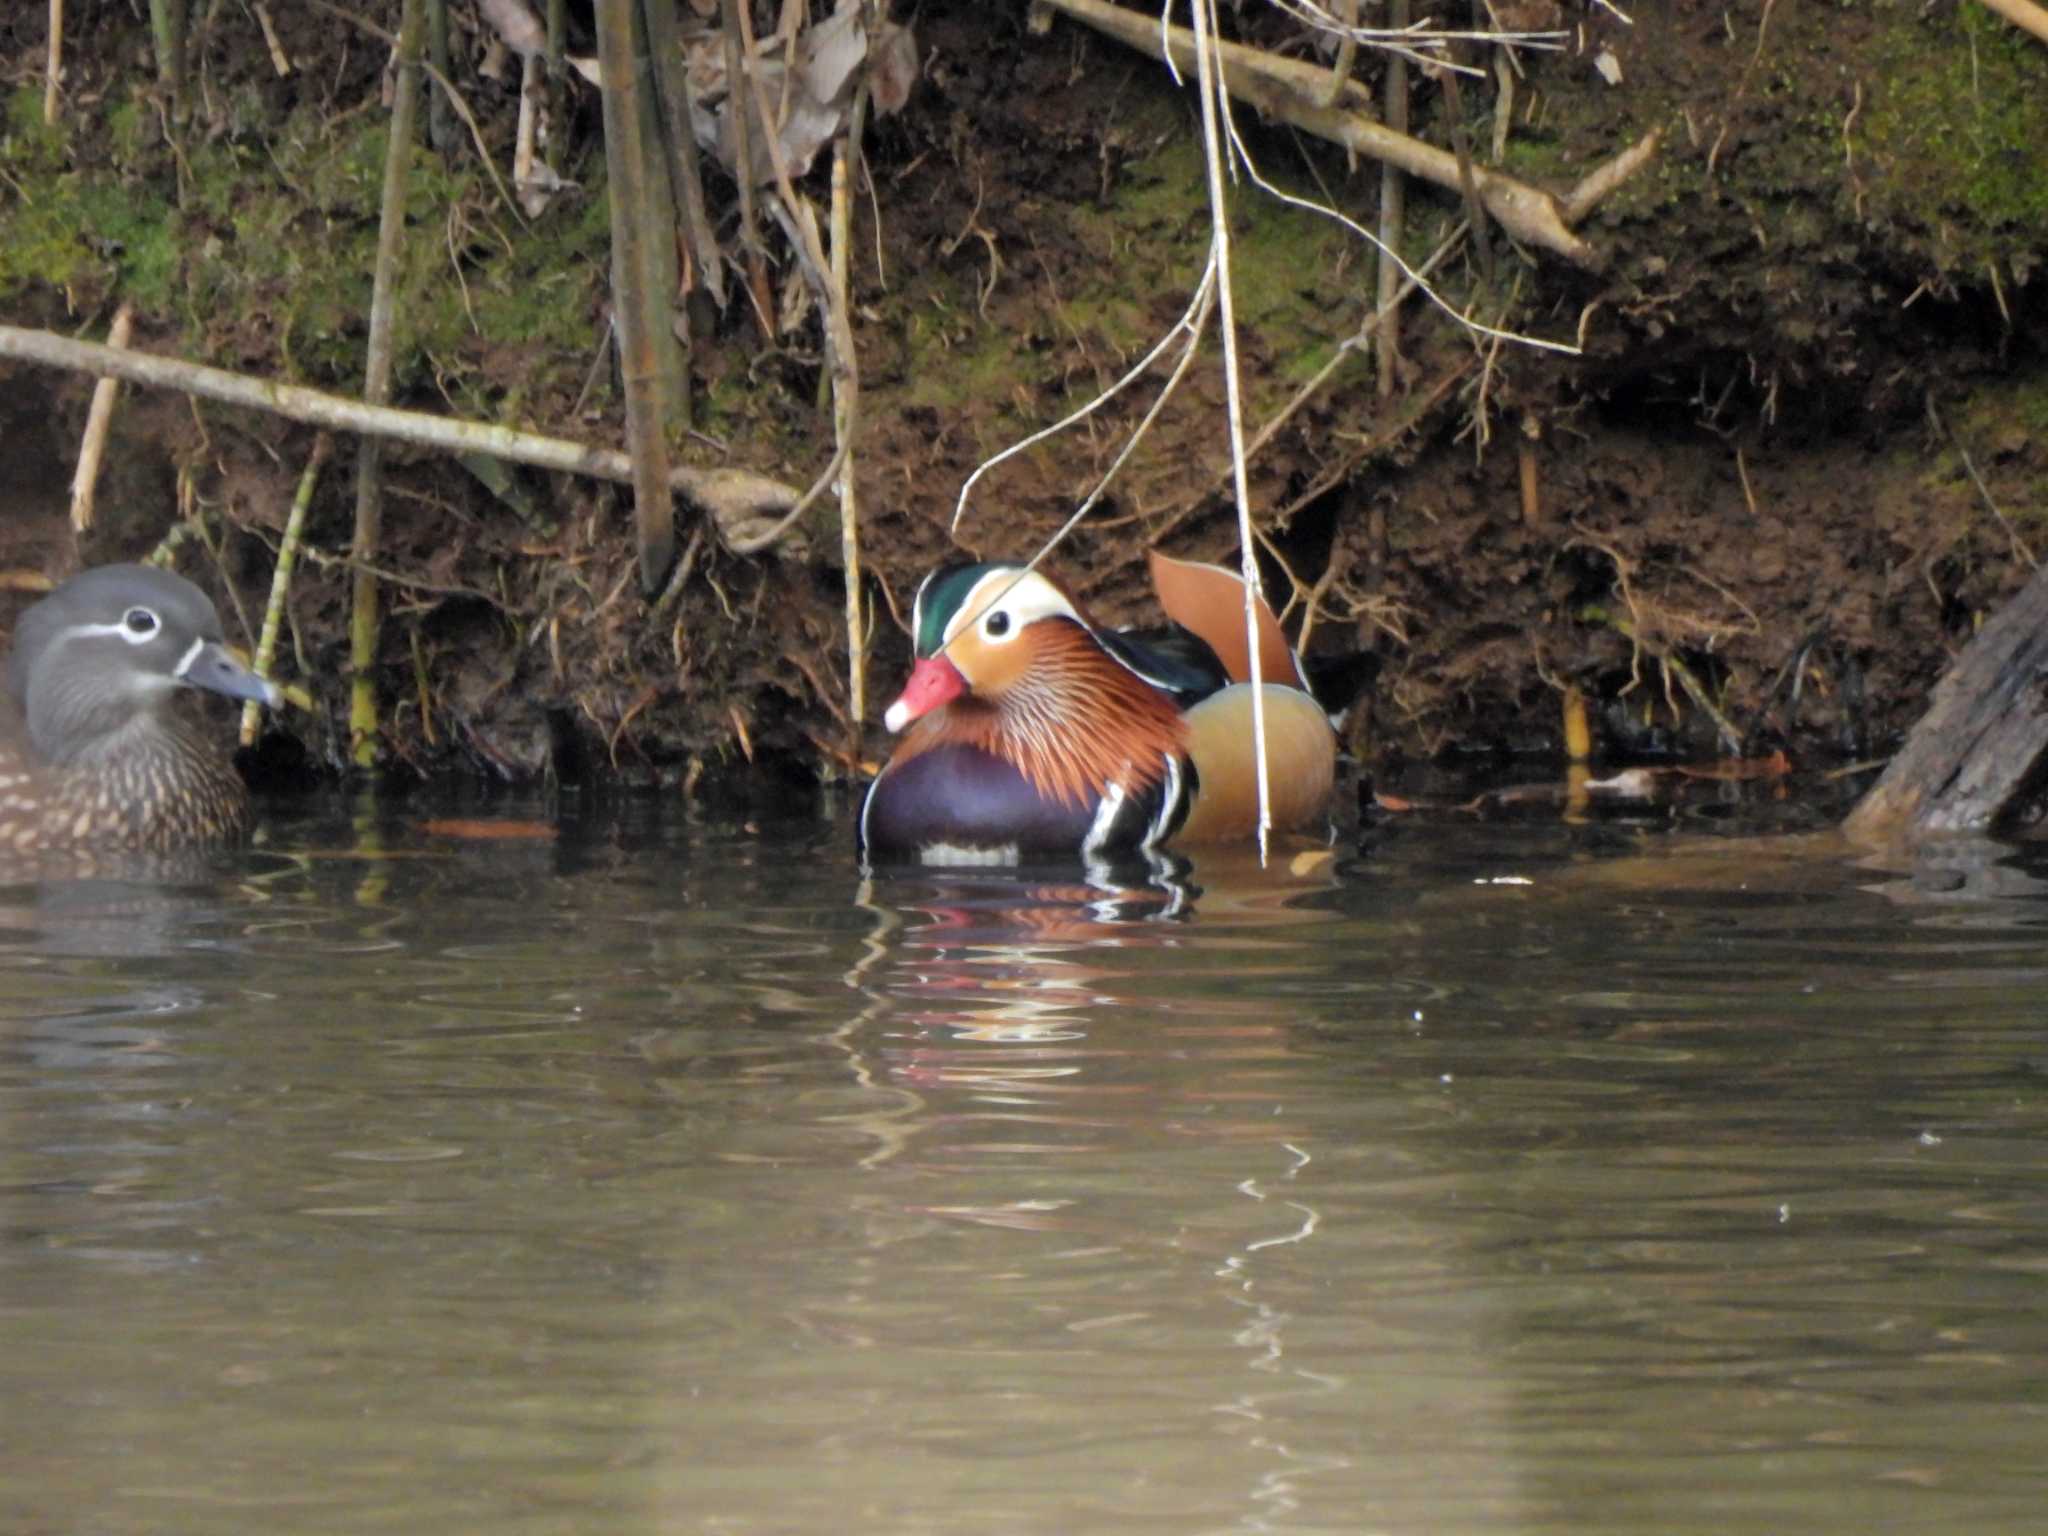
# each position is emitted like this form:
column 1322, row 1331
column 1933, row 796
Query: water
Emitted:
column 661, row 1177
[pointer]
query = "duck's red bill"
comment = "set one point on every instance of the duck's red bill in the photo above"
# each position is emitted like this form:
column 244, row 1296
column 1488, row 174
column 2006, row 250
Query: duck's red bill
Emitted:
column 933, row 681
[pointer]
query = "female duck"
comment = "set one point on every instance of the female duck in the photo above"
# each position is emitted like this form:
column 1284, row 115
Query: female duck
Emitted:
column 1033, row 732
column 92, row 756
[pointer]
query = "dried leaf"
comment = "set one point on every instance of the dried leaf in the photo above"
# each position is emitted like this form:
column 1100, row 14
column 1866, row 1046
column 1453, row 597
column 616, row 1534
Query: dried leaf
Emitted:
column 516, row 24
column 829, row 55
column 892, row 67
column 1776, row 766
column 477, row 830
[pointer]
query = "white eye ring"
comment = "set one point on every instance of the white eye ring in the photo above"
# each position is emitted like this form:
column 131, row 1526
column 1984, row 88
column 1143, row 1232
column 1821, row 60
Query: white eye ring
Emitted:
column 997, row 625
column 138, row 625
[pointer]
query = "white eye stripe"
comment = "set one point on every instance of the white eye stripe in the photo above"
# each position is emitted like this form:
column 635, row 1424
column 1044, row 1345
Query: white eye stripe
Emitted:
column 1023, row 599
column 119, row 629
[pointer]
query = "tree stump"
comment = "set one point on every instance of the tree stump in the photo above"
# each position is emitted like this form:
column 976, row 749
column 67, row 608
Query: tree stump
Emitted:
column 1974, row 756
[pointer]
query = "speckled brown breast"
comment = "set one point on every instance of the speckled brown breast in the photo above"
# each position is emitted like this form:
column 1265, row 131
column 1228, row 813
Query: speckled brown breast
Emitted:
column 163, row 788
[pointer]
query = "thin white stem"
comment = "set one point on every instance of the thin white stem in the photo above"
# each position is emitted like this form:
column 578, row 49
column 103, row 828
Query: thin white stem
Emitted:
column 1137, row 371
column 1194, row 322
column 1308, row 205
column 1208, row 74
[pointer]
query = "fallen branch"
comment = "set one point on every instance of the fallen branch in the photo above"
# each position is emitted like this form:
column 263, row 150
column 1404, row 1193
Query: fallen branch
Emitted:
column 721, row 492
column 1295, row 92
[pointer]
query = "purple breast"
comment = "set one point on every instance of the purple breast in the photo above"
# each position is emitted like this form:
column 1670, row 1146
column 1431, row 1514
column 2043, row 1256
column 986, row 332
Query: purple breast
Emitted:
column 969, row 799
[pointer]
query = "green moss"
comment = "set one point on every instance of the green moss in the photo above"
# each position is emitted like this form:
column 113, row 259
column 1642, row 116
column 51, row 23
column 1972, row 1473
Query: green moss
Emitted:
column 1952, row 131
column 270, row 243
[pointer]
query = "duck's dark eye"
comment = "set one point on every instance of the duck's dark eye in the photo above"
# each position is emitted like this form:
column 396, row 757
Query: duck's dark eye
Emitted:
column 996, row 625
column 139, row 622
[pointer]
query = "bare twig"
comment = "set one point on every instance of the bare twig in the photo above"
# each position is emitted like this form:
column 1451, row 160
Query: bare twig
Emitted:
column 686, row 175
column 1375, row 326
column 753, row 544
column 363, row 617
column 2019, row 544
column 739, row 76
column 1347, row 52
column 455, row 99
column 1468, row 185
column 280, row 61
column 98, row 420
column 1190, row 325
column 1602, row 180
column 281, row 576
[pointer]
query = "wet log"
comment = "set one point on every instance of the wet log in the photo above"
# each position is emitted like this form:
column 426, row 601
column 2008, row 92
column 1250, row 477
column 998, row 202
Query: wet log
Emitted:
column 1975, row 754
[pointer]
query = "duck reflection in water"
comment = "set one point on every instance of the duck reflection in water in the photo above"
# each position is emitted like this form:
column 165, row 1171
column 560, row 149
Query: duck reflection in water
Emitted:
column 1041, row 962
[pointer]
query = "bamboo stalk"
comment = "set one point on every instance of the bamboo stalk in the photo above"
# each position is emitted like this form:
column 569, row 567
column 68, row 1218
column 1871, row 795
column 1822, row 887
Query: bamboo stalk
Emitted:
column 1393, row 214
column 97, row 422
column 440, row 121
column 664, row 212
column 634, row 310
column 558, row 47
column 56, row 64
column 558, row 36
column 363, row 615
column 281, row 577
column 167, row 32
column 737, row 491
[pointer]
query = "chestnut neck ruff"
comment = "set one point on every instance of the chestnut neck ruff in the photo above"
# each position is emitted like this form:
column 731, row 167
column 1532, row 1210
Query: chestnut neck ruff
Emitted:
column 1076, row 721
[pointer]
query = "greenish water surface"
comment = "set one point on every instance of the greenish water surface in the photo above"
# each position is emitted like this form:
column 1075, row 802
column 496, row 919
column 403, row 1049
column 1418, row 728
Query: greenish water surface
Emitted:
column 666, row 1177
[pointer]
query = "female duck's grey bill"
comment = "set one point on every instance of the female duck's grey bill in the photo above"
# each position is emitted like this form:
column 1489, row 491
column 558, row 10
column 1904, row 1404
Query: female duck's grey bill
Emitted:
column 208, row 665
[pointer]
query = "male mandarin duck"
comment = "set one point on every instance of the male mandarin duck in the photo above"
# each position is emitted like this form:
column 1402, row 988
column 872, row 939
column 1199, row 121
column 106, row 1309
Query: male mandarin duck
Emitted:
column 1033, row 732
column 92, row 756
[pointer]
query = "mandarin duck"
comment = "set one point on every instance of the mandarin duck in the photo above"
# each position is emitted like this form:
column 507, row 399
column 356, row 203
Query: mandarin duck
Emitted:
column 92, row 755
column 1029, row 731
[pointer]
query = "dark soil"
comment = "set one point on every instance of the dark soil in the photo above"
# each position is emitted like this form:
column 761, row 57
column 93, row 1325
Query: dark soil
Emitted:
column 1745, row 501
